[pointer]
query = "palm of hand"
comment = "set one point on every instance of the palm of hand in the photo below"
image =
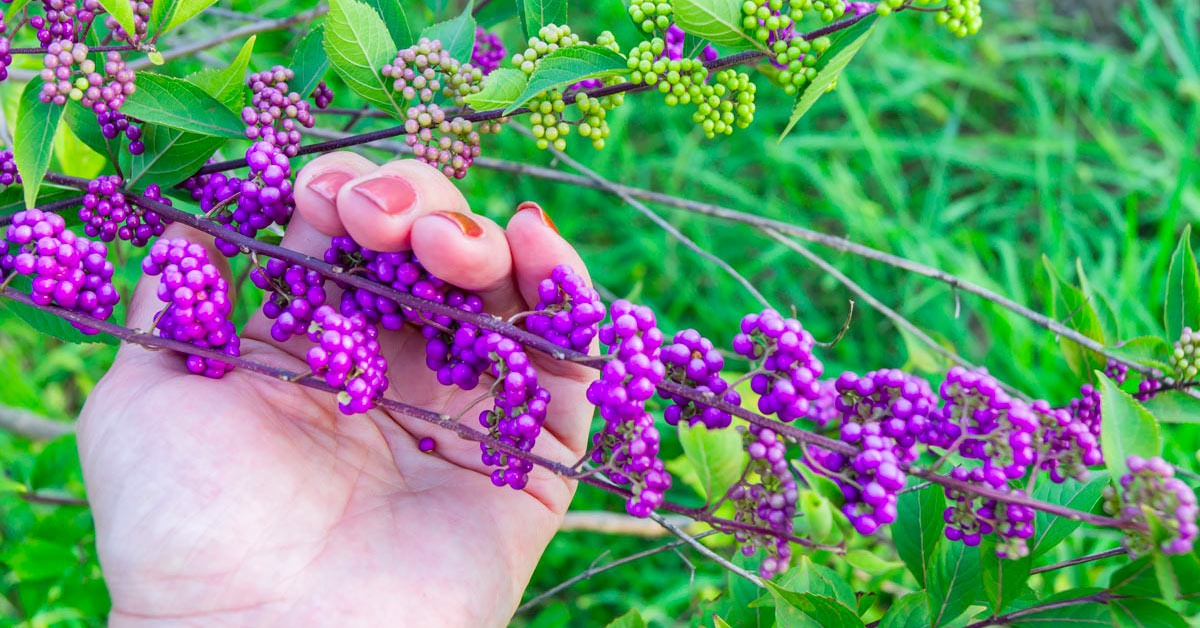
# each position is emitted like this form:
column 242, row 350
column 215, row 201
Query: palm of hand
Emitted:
column 251, row 501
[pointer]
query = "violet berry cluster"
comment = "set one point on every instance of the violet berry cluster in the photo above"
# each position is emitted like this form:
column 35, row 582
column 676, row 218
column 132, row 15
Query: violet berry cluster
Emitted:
column 786, row 379
column 197, row 303
column 489, row 51
column 983, row 422
column 1163, row 505
column 108, row 215
column 693, row 361
column 295, row 294
column 113, row 124
column 768, row 503
column 519, row 412
column 628, row 445
column 568, row 312
column 8, row 169
column 968, row 520
column 252, row 204
column 322, row 96
column 69, row 271
column 347, row 355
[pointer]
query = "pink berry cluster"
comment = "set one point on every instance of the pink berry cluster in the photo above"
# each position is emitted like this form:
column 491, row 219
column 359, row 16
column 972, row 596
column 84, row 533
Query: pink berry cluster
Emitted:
column 107, row 214
column 1151, row 492
column 197, row 303
column 519, row 411
column 628, row 444
column 768, row 502
column 295, row 294
column 693, row 361
column 275, row 114
column 568, row 312
column 489, row 51
column 787, row 381
column 454, row 146
column 69, row 271
column 141, row 20
column 346, row 354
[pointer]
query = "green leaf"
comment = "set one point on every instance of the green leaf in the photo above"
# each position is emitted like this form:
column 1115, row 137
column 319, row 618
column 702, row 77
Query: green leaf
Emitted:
column 9, row 486
column 457, row 35
column 910, row 611
column 1075, row 311
column 820, row 484
column 871, row 563
column 500, row 89
column 922, row 357
column 33, row 139
column 632, row 619
column 720, row 623
column 395, row 17
column 1183, row 574
column 57, row 465
column 954, row 582
column 14, row 9
column 537, row 13
column 719, row 21
column 358, row 46
column 179, row 104
column 1145, row 613
column 310, row 62
column 49, row 324
column 121, row 11
column 570, row 65
column 1182, row 306
column 83, row 124
column 1108, row 319
column 918, row 528
column 829, row 66
column 228, row 84
column 75, row 158
column 1150, row 351
column 1174, row 406
column 1082, row 615
column 742, row 611
column 809, row 577
column 794, row 610
column 35, row 559
column 1127, row 430
column 716, row 455
column 1050, row 530
column 1136, row 579
column 171, row 155
column 185, row 10
column 1003, row 578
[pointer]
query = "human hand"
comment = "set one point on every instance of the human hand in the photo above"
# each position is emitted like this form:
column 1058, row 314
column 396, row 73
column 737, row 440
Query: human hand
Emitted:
column 250, row 501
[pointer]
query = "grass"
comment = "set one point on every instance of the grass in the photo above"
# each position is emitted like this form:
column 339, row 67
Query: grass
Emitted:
column 1072, row 136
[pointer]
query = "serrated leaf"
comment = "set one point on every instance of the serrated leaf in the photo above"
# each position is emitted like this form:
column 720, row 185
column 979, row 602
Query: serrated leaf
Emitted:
column 457, row 35
column 570, row 65
column 35, row 559
column 1150, row 351
column 500, row 89
column 1050, row 530
column 809, row 577
column 792, row 609
column 829, row 66
column 1183, row 574
column 310, row 62
column 954, row 582
column 1174, row 406
column 180, row 105
column 632, row 619
column 537, row 13
column 1073, row 309
column 1182, row 304
column 1145, row 613
column 719, row 21
column 716, row 455
column 918, row 528
column 910, row 611
column 1127, row 429
column 1082, row 615
column 52, row 325
column 395, row 18
column 185, row 10
column 227, row 85
column 122, row 12
column 1136, row 579
column 171, row 156
column 358, row 46
column 33, row 139
column 160, row 13
column 1003, row 578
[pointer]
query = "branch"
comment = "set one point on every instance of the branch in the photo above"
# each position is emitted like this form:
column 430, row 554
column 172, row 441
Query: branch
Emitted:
column 615, row 523
column 31, row 425
column 53, row 500
column 235, row 34
column 715, row 557
column 1120, row 551
column 1006, row 618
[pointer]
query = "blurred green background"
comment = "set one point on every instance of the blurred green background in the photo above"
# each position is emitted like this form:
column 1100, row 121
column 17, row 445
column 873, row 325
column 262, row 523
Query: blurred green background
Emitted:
column 1064, row 129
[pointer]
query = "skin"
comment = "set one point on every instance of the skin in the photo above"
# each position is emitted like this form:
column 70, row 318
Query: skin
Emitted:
column 252, row 502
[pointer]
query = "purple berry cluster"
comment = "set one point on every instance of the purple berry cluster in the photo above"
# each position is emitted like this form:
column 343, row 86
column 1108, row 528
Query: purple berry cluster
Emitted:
column 114, row 123
column 1150, row 491
column 8, row 169
column 488, row 53
column 568, row 311
column 1068, row 445
column 141, row 20
column 198, row 305
column 675, row 38
column 322, row 96
column 252, row 204
column 628, row 444
column 787, row 381
column 346, row 354
column 69, row 271
column 5, row 49
column 519, row 411
column 968, row 522
column 693, row 361
column 870, row 479
column 982, row 422
column 823, row 410
column 108, row 215
column 276, row 114
column 768, row 503
column 900, row 403
column 295, row 295
column 454, row 146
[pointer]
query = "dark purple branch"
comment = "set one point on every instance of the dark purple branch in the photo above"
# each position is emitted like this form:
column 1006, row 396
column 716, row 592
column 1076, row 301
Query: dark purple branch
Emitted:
column 35, row 51
column 1120, row 551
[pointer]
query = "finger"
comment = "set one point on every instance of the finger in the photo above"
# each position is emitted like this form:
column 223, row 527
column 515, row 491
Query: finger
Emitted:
column 379, row 209
column 470, row 252
column 317, row 188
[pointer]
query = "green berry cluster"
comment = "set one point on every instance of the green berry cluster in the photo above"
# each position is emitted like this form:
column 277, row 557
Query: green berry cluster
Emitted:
column 650, row 15
column 424, row 69
column 722, row 101
column 763, row 17
column 551, row 127
column 1185, row 357
column 795, row 62
column 550, row 37
column 826, row 10
column 961, row 17
column 547, row 119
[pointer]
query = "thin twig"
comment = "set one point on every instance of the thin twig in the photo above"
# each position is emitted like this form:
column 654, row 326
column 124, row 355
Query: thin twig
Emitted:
column 715, row 557
column 1120, row 551
column 31, row 425
column 53, row 500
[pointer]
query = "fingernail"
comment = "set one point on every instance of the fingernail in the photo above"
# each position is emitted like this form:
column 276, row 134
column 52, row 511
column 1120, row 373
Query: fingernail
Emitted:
column 327, row 184
column 392, row 195
column 468, row 227
column 541, row 213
